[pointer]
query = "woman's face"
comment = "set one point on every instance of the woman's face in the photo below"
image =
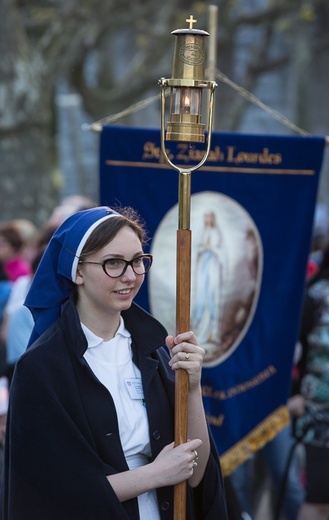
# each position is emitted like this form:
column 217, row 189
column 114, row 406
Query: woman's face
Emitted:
column 97, row 292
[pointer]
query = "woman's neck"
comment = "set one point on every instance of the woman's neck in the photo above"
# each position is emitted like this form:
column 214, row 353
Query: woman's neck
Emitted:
column 104, row 327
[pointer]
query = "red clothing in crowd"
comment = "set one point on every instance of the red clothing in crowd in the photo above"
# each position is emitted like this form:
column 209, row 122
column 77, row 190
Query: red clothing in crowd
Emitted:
column 16, row 267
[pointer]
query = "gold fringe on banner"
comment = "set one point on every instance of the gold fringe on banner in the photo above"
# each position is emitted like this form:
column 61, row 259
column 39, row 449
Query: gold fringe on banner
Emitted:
column 255, row 440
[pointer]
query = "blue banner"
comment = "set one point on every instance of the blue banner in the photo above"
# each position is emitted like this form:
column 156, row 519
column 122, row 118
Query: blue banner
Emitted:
column 252, row 208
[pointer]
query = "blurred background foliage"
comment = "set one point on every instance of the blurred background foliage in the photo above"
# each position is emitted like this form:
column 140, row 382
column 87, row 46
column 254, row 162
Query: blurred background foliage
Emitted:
column 68, row 62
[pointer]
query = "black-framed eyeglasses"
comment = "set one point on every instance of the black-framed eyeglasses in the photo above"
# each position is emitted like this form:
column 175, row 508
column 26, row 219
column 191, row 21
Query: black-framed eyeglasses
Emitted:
column 116, row 267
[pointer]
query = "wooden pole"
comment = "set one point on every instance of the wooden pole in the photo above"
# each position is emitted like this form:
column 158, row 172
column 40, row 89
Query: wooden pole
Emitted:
column 183, row 297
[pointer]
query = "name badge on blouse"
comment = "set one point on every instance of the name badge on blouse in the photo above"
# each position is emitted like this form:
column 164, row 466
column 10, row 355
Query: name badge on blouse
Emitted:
column 135, row 387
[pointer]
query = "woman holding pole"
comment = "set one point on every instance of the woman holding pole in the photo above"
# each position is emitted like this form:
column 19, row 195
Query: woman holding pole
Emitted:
column 91, row 416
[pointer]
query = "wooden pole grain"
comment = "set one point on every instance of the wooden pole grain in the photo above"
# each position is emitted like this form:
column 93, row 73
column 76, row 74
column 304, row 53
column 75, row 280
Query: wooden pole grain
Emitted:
column 181, row 383
column 183, row 298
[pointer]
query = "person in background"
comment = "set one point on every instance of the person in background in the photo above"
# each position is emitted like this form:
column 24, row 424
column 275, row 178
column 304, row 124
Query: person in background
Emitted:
column 17, row 296
column 28, row 231
column 270, row 463
column 11, row 246
column 310, row 405
column 69, row 205
column 20, row 323
column 90, row 431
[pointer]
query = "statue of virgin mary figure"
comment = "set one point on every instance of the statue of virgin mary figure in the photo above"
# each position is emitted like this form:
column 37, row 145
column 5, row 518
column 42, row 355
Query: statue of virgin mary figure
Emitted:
column 208, row 279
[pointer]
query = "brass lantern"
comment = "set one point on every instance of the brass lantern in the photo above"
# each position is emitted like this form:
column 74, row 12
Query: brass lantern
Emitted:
column 187, row 84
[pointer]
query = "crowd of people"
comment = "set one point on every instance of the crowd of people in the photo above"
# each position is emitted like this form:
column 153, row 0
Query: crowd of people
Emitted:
column 69, row 411
column 295, row 464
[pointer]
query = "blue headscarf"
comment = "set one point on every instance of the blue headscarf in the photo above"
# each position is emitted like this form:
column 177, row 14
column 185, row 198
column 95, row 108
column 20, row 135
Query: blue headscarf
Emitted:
column 55, row 277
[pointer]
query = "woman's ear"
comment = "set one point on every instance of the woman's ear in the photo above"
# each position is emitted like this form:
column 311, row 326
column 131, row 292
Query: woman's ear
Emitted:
column 79, row 277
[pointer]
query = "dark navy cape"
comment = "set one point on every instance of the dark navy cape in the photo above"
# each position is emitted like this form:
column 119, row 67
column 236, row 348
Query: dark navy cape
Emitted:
column 63, row 437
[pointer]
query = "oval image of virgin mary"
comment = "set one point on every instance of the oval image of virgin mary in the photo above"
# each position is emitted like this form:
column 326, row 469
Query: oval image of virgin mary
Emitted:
column 226, row 272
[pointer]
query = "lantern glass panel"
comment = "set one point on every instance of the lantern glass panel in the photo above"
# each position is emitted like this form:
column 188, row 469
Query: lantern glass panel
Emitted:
column 186, row 101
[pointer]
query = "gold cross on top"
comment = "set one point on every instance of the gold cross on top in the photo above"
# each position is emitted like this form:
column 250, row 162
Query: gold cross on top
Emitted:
column 191, row 21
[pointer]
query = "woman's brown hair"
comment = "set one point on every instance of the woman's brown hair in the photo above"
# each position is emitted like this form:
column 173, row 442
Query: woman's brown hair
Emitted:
column 107, row 230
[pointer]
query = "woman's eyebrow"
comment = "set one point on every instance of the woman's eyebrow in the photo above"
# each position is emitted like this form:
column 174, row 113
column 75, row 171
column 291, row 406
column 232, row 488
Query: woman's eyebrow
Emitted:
column 117, row 255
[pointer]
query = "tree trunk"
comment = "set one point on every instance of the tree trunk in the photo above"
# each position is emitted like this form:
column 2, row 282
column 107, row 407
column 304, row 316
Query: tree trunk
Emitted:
column 27, row 182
